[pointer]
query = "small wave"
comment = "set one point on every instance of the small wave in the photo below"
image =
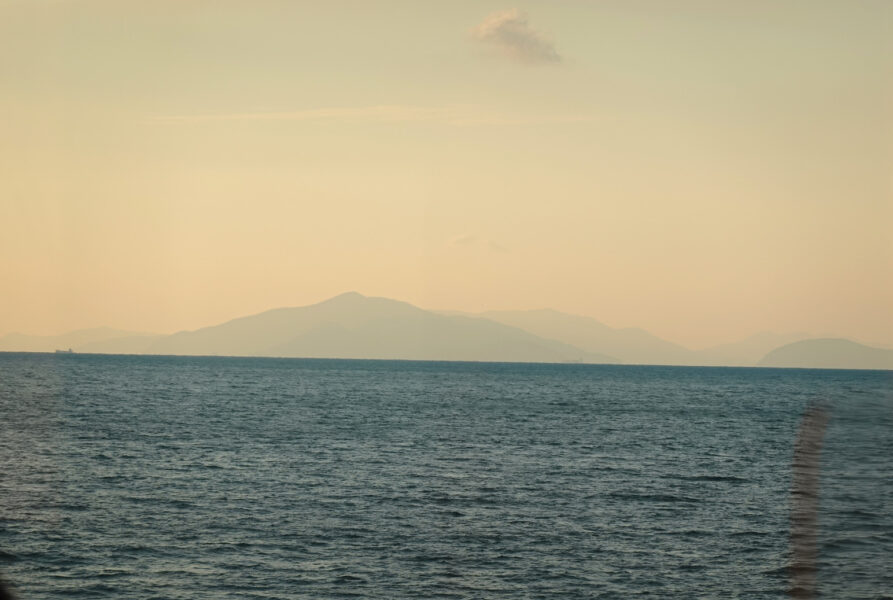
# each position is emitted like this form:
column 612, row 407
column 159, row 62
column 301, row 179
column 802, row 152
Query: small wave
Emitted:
column 853, row 542
column 432, row 558
column 343, row 579
column 8, row 557
column 653, row 497
column 72, row 507
column 748, row 533
column 728, row 478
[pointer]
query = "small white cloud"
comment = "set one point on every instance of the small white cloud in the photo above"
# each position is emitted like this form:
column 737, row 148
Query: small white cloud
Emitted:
column 510, row 32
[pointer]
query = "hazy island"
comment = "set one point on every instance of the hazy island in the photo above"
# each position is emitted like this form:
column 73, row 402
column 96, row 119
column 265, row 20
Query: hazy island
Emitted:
column 352, row 325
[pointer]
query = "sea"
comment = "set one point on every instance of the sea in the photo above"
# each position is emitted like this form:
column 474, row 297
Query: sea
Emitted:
column 211, row 477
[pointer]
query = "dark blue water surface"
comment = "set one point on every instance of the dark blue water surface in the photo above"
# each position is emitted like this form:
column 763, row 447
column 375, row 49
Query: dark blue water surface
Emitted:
column 175, row 477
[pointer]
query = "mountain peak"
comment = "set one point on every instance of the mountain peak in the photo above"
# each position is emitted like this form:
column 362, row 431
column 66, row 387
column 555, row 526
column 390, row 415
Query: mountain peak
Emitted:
column 345, row 298
column 350, row 294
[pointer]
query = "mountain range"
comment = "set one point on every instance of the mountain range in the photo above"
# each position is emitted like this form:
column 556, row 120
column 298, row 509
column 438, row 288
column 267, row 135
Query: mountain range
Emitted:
column 355, row 326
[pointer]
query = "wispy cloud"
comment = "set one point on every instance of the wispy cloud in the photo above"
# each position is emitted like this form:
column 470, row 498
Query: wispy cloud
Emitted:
column 464, row 240
column 470, row 240
column 494, row 247
column 509, row 31
column 343, row 113
column 460, row 115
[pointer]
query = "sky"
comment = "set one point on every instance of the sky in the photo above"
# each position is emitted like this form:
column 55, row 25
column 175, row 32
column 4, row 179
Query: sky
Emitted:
column 704, row 170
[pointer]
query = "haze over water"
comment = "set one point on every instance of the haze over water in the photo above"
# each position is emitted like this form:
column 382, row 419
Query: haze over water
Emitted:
column 176, row 477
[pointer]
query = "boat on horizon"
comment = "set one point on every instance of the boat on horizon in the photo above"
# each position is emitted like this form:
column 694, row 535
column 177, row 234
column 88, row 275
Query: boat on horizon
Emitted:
column 69, row 351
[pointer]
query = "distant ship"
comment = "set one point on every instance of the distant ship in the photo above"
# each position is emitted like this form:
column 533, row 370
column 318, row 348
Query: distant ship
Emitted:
column 69, row 351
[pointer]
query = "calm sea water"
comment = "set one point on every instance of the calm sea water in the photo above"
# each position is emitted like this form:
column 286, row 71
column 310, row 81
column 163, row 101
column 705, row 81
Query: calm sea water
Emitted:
column 173, row 477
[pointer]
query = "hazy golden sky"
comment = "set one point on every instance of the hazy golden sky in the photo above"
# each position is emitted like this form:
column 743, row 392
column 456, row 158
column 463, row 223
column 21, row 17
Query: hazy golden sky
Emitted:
column 705, row 170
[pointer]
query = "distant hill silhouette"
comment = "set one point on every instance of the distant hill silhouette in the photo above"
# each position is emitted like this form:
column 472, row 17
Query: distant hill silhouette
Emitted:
column 130, row 344
column 632, row 345
column 629, row 345
column 19, row 342
column 829, row 353
column 356, row 326
column 746, row 352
